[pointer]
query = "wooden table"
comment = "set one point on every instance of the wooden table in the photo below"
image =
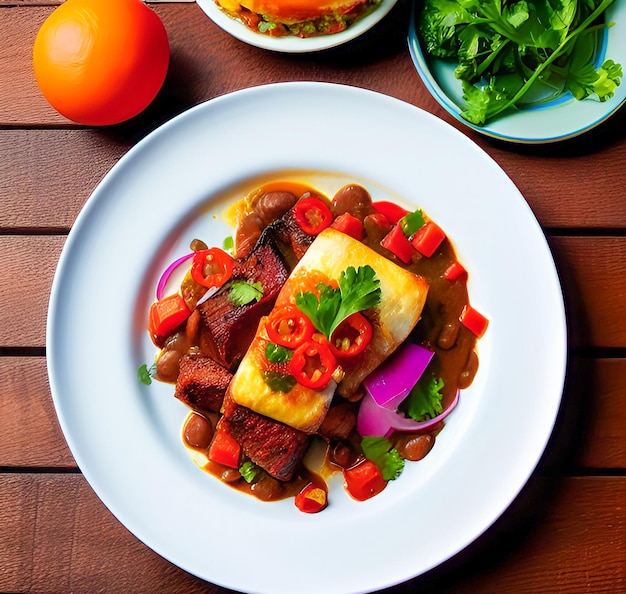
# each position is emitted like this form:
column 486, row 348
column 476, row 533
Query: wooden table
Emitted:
column 566, row 532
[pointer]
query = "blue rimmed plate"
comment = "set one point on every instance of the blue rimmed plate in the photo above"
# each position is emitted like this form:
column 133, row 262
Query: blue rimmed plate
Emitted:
column 559, row 119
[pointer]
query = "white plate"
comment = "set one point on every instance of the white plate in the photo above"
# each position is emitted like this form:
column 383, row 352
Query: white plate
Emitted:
column 561, row 119
column 291, row 44
column 170, row 188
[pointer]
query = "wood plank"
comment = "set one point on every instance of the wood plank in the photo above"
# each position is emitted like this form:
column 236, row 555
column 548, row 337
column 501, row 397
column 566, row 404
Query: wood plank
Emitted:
column 591, row 270
column 50, row 175
column 29, row 430
column 55, row 521
column 28, row 264
column 587, row 266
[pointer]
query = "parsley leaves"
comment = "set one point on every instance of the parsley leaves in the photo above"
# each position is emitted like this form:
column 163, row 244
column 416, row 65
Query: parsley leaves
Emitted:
column 145, row 373
column 511, row 52
column 381, row 451
column 424, row 400
column 244, row 292
column 358, row 290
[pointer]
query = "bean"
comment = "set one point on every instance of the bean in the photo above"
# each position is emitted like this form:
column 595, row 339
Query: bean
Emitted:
column 247, row 234
column 471, row 367
column 415, row 447
column 447, row 336
column 167, row 365
column 267, row 489
column 230, row 475
column 343, row 455
column 198, row 431
column 273, row 205
column 354, row 199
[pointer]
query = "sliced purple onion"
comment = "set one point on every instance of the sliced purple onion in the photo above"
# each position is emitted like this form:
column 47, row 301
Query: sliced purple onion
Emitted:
column 160, row 290
column 391, row 383
column 377, row 421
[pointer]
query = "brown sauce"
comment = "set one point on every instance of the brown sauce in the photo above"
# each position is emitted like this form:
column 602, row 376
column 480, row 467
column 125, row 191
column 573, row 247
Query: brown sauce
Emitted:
column 439, row 329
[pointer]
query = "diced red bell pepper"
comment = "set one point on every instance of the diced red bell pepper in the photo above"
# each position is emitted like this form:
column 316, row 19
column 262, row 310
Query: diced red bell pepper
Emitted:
column 427, row 239
column 212, row 267
column 349, row 224
column 352, row 336
column 312, row 214
column 288, row 326
column 311, row 499
column 167, row 314
column 454, row 272
column 397, row 243
column 474, row 321
column 224, row 449
column 364, row 480
column 392, row 211
column 313, row 364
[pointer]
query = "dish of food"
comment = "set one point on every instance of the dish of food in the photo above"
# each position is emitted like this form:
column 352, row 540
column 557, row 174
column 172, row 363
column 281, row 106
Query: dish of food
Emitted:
column 296, row 27
column 546, row 108
column 126, row 437
column 342, row 326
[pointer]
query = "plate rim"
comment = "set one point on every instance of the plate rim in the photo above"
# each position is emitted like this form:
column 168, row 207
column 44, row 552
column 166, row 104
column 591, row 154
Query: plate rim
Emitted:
column 83, row 219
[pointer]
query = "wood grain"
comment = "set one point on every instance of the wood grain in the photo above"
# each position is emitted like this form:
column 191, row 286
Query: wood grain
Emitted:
column 73, row 543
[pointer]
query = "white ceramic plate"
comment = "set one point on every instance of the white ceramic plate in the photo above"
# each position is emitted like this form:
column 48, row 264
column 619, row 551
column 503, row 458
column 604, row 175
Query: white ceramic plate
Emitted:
column 560, row 119
column 171, row 187
column 291, row 44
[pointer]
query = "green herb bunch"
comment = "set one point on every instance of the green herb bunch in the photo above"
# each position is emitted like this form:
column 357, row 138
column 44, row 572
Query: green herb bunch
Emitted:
column 512, row 52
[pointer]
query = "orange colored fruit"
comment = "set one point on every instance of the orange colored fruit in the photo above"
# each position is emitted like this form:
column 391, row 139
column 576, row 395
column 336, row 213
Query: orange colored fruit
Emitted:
column 101, row 62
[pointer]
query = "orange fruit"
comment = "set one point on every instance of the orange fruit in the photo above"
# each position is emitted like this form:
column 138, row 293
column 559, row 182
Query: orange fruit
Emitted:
column 101, row 62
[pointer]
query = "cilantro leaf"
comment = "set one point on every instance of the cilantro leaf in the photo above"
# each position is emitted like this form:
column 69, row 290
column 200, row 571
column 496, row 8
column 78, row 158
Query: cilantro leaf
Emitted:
column 381, row 451
column 358, row 290
column 276, row 353
column 145, row 373
column 248, row 471
column 244, row 292
column 424, row 400
column 515, row 52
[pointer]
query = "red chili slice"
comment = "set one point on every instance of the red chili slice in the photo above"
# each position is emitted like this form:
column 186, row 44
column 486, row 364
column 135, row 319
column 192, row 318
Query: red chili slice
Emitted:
column 312, row 499
column 312, row 215
column 211, row 268
column 288, row 326
column 313, row 364
column 351, row 336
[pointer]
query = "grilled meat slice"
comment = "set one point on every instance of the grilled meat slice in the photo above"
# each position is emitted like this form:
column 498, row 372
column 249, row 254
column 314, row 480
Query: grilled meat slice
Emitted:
column 226, row 329
column 273, row 446
column 202, row 383
column 340, row 421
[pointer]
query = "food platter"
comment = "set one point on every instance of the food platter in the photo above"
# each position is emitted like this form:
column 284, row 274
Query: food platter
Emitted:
column 559, row 119
column 125, row 436
column 292, row 44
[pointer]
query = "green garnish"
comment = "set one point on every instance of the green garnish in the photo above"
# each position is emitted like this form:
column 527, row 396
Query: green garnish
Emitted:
column 276, row 353
column 244, row 292
column 228, row 244
column 424, row 400
column 145, row 373
column 381, row 451
column 248, row 471
column 412, row 222
column 279, row 382
column 358, row 290
column 512, row 51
